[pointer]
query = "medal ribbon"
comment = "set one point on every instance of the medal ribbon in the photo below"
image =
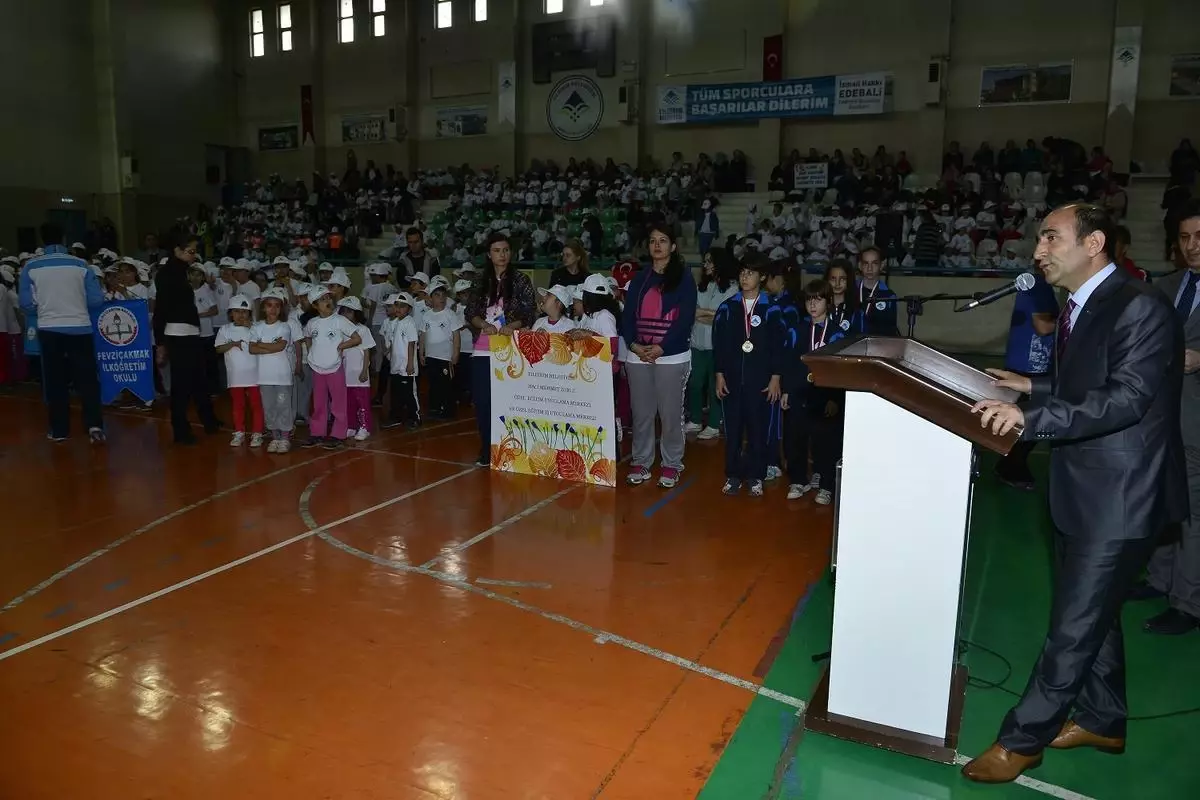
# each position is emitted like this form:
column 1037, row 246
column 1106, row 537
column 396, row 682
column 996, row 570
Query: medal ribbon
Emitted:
column 866, row 306
column 813, row 342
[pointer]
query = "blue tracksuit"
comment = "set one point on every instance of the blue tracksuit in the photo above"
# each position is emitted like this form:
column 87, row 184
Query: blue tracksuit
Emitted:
column 849, row 322
column 806, row 423
column 793, row 314
column 874, row 320
column 746, row 409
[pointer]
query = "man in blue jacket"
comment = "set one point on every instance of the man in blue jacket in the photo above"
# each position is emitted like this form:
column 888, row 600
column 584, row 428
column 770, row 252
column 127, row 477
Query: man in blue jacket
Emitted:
column 64, row 293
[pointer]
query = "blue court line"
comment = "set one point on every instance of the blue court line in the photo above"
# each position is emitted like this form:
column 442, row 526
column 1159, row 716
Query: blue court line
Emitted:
column 58, row 612
column 5, row 638
column 117, row 584
column 666, row 498
column 171, row 559
column 211, row 541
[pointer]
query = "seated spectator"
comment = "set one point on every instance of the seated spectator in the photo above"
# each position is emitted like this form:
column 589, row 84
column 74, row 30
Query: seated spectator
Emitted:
column 1122, row 259
column 1032, row 158
column 1009, row 159
column 1098, row 160
column 984, row 158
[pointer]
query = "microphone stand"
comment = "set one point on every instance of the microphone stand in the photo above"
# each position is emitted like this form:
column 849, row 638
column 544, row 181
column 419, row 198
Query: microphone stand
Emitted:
column 914, row 304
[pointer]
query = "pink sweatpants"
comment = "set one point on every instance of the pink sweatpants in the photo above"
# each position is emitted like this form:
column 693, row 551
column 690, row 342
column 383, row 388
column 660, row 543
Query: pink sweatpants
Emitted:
column 358, row 407
column 329, row 394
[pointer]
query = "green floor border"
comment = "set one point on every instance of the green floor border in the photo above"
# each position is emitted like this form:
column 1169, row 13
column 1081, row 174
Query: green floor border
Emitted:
column 1006, row 600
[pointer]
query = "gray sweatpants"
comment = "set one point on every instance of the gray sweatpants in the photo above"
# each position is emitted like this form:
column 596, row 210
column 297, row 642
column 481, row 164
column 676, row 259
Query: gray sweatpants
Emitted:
column 658, row 391
column 1175, row 567
column 302, row 394
column 279, row 412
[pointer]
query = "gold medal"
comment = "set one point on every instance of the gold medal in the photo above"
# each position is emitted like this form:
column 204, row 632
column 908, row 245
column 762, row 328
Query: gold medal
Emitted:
column 810, row 378
column 747, row 346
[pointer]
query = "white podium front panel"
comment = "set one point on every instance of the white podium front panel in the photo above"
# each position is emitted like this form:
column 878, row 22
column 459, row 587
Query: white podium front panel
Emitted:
column 902, row 520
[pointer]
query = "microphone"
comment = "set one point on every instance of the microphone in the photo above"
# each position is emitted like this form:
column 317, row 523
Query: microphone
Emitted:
column 1022, row 283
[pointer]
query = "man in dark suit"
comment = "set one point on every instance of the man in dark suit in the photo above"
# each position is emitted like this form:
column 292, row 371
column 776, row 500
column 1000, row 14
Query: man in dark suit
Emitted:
column 1175, row 566
column 1111, row 415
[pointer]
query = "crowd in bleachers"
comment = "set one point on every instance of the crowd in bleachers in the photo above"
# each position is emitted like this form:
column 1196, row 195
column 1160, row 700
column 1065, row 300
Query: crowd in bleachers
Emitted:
column 984, row 209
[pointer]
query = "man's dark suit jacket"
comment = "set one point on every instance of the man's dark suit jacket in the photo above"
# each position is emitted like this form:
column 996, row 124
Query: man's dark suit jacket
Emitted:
column 1111, row 415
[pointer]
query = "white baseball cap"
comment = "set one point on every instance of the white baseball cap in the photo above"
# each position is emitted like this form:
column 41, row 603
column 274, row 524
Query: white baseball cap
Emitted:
column 239, row 301
column 275, row 293
column 297, row 268
column 281, row 260
column 596, row 284
column 438, row 282
column 228, row 262
column 462, row 286
column 325, row 266
column 350, row 302
column 78, row 246
column 420, row 276
column 561, row 292
column 466, row 269
column 339, row 278
column 378, row 269
column 401, row 297
column 6, row 272
column 316, row 293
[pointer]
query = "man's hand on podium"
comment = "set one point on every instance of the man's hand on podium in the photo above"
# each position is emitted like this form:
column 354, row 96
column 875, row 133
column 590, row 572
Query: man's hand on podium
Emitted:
column 1002, row 416
column 1010, row 380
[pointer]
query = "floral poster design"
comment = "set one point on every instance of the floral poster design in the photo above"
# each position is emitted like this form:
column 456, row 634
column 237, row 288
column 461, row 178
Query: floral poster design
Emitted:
column 553, row 407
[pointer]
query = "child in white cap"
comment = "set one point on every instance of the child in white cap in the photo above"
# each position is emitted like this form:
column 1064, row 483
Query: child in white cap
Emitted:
column 402, row 347
column 327, row 336
column 466, row 343
column 439, row 329
column 241, row 366
column 555, row 302
column 378, row 288
column 273, row 343
column 357, row 363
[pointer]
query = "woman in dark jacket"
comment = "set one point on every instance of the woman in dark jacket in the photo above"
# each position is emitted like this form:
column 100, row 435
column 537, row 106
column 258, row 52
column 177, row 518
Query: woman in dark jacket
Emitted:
column 177, row 332
column 501, row 303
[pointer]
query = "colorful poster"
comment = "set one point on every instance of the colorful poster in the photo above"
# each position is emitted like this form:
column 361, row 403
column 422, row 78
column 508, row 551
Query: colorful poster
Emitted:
column 1019, row 84
column 462, row 121
column 795, row 98
column 364, row 129
column 1185, row 75
column 553, row 407
column 281, row 137
column 124, row 353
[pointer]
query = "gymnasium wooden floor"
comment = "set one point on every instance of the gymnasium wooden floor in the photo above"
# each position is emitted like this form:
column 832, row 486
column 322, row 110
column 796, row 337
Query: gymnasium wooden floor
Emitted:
column 382, row 622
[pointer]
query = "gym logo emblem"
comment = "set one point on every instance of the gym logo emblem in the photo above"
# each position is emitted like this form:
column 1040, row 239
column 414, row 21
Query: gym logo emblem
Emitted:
column 574, row 108
column 117, row 326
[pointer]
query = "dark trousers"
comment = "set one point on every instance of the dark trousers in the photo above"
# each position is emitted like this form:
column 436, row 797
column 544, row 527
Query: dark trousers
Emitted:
column 808, row 430
column 1175, row 566
column 212, row 370
column 189, row 385
column 747, row 415
column 385, row 378
column 441, row 387
column 69, row 360
column 481, row 396
column 405, row 407
column 1082, row 664
column 463, row 378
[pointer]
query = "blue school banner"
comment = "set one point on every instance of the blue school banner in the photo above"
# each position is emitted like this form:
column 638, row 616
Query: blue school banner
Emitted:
column 826, row 96
column 124, row 352
column 32, row 346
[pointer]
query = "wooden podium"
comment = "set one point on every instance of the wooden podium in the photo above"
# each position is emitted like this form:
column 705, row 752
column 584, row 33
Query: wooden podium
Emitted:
column 902, row 515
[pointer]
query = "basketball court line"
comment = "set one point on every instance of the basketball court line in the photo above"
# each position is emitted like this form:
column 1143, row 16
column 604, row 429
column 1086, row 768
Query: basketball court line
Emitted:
column 308, row 534
column 89, row 558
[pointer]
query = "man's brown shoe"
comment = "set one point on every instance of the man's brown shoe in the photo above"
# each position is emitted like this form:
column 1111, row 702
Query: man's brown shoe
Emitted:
column 998, row 765
column 1072, row 736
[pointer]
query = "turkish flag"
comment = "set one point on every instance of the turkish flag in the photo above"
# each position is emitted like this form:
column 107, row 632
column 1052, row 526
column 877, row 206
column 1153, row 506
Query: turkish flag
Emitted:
column 773, row 58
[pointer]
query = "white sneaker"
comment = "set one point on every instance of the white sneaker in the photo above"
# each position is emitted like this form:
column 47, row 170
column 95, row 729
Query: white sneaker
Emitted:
column 709, row 433
column 256, row 440
column 283, row 445
column 273, row 446
column 692, row 427
column 361, row 435
column 773, row 473
column 824, row 497
column 238, row 439
column 796, row 491
column 350, row 432
column 815, row 481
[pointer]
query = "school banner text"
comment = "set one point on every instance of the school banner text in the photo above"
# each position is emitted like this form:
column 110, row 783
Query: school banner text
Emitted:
column 124, row 352
column 552, row 407
column 827, row 96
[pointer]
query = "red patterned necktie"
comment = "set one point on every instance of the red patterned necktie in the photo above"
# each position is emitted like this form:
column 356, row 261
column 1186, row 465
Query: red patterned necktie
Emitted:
column 1064, row 326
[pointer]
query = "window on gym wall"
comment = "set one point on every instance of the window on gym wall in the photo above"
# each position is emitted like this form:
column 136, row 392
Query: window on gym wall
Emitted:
column 258, row 36
column 481, row 10
column 554, row 6
column 378, row 17
column 285, row 27
column 345, row 21
column 445, row 13
column 595, row 3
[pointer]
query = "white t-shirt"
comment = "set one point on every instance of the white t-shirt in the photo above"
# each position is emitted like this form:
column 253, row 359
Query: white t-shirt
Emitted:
column 439, row 328
column 563, row 325
column 275, row 369
column 224, row 293
column 324, row 335
column 205, row 300
column 249, row 289
column 240, row 366
column 602, row 323
column 401, row 332
column 375, row 292
column 353, row 357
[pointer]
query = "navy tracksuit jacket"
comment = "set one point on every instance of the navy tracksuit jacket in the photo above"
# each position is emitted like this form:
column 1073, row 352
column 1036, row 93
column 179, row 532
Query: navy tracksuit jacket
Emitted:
column 747, row 411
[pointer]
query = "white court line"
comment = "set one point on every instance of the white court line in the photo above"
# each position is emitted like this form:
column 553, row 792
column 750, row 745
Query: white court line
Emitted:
column 112, row 612
column 417, row 458
column 1051, row 789
column 83, row 562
